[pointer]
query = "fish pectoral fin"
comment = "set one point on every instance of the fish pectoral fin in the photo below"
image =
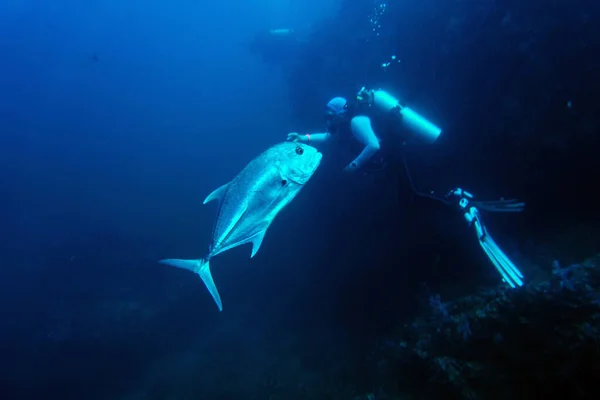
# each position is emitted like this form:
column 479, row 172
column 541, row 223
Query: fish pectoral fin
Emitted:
column 216, row 194
column 257, row 241
column 202, row 268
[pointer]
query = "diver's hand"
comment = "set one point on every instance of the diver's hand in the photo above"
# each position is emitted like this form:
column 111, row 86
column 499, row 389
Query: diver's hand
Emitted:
column 294, row 136
column 353, row 166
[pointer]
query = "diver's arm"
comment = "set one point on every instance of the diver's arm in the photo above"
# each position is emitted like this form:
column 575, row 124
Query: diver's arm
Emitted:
column 309, row 137
column 363, row 132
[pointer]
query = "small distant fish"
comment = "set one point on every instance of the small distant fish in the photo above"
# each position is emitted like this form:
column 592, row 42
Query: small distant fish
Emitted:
column 281, row 32
column 249, row 203
column 570, row 104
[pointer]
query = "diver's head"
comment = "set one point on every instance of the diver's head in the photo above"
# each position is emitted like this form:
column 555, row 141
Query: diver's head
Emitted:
column 337, row 106
column 336, row 109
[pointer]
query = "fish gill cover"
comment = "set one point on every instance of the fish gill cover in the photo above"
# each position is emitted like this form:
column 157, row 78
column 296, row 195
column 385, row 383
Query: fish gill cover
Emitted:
column 117, row 118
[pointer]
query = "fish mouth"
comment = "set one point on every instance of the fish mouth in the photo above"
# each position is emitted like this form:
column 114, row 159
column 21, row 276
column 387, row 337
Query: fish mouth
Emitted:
column 316, row 162
column 302, row 175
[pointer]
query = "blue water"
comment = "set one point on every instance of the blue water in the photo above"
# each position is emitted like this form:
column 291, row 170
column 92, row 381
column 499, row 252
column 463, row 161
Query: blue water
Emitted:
column 117, row 119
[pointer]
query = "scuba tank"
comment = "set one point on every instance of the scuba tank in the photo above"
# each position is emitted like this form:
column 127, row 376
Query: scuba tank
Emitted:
column 416, row 125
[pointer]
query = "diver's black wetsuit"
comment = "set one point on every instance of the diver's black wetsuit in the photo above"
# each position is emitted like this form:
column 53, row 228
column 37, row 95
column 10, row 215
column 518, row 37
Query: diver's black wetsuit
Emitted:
column 385, row 127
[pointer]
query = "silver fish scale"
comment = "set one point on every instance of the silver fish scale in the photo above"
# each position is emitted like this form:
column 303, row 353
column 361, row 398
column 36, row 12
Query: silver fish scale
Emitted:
column 245, row 184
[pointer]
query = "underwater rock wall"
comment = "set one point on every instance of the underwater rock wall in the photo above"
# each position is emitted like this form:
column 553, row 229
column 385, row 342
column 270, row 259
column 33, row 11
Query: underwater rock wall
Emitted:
column 541, row 340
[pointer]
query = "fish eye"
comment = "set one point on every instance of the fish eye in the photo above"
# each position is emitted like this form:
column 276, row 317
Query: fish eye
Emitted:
column 299, row 150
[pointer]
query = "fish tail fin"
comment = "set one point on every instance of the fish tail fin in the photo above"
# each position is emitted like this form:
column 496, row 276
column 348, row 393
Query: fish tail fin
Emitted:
column 202, row 268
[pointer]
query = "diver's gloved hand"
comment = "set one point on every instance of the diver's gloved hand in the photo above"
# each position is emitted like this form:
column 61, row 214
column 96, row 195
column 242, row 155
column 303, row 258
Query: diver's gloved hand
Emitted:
column 294, row 136
column 507, row 269
column 353, row 166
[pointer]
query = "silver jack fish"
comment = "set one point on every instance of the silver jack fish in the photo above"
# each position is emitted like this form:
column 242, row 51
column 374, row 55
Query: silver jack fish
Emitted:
column 249, row 203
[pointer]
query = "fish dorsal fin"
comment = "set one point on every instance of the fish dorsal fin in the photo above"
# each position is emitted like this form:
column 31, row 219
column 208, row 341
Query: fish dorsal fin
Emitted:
column 216, row 194
column 257, row 241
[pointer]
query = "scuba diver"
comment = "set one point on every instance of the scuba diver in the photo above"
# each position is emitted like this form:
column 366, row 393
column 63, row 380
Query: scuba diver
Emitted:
column 398, row 124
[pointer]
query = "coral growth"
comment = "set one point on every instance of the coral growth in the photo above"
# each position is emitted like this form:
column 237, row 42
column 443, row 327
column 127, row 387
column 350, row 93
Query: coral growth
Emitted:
column 540, row 340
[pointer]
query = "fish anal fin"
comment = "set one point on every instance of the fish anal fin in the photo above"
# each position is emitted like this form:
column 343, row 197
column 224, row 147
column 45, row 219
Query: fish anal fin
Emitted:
column 257, row 241
column 217, row 194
